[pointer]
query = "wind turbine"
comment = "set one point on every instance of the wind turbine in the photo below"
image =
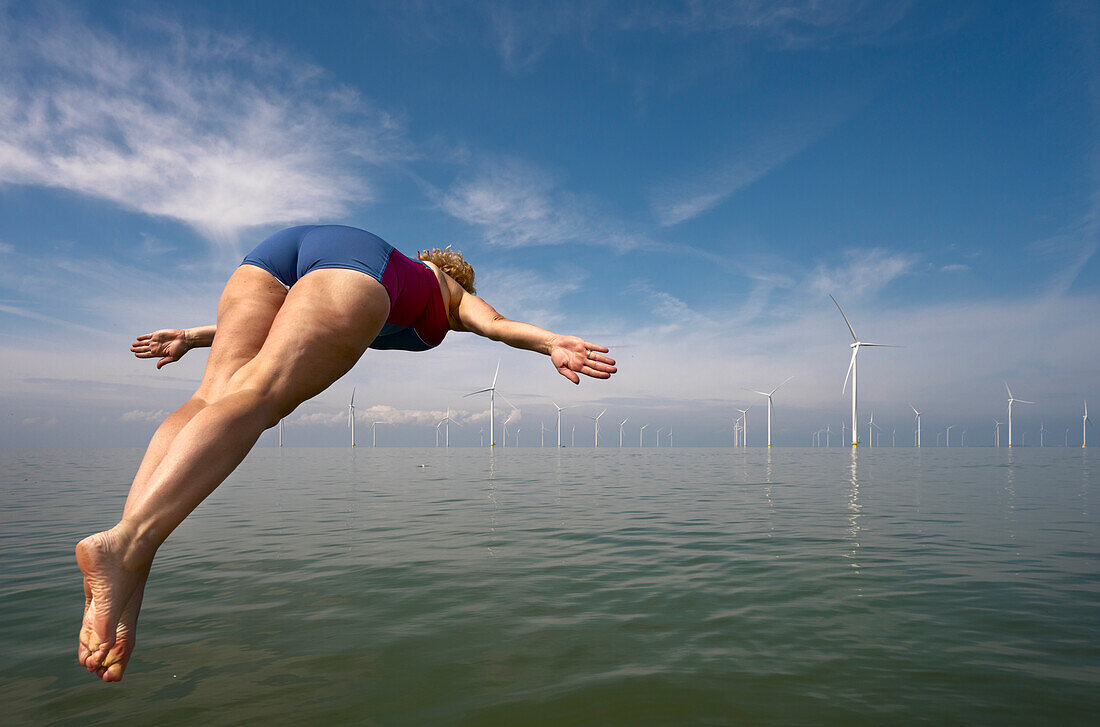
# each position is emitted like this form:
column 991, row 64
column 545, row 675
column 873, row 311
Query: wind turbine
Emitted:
column 1012, row 401
column 448, row 419
column 504, row 427
column 1042, row 429
column 596, row 419
column 894, row 438
column 871, row 427
column 918, row 423
column 1084, row 420
column 744, row 426
column 624, row 421
column 437, row 426
column 670, row 435
column 855, row 345
column 542, row 433
column 560, row 410
column 482, row 433
column 769, row 395
column 573, row 436
column 997, row 433
column 949, row 434
column 492, row 389
column 351, row 415
column 659, row 430
column 641, row 432
column 280, row 432
column 374, row 433
column 828, row 437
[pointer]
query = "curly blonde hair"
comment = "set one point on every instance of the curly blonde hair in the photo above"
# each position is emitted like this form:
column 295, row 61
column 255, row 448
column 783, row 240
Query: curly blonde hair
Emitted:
column 451, row 262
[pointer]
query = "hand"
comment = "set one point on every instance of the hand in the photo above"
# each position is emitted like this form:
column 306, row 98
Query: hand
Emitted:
column 169, row 344
column 571, row 355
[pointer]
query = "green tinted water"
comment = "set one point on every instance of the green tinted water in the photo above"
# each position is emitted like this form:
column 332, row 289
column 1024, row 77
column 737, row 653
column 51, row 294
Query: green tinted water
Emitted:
column 575, row 587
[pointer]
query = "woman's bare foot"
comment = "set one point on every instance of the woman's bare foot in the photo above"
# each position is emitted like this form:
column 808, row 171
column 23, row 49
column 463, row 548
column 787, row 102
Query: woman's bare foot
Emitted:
column 114, row 582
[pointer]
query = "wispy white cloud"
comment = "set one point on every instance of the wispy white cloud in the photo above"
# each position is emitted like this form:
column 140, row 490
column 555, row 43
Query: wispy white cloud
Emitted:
column 217, row 131
column 141, row 415
column 517, row 205
column 955, row 268
column 788, row 23
column 39, row 422
column 524, row 31
column 863, row 272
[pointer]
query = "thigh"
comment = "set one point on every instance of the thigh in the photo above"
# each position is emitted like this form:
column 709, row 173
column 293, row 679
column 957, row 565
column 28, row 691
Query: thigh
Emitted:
column 247, row 308
column 329, row 318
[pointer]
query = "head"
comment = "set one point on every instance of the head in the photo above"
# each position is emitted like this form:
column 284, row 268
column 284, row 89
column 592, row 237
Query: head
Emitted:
column 451, row 262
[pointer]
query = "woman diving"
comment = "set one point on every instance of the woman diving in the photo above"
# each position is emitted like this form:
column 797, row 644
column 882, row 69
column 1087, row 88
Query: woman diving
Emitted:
column 295, row 316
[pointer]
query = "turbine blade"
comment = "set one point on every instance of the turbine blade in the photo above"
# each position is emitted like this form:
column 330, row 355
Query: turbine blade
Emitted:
column 479, row 391
column 496, row 375
column 784, row 381
column 850, row 330
column 882, row 345
column 1008, row 390
column 850, row 365
column 1021, row 401
column 353, row 396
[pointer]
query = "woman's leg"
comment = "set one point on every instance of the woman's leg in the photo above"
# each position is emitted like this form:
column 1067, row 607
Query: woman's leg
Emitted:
column 248, row 305
column 325, row 324
column 246, row 310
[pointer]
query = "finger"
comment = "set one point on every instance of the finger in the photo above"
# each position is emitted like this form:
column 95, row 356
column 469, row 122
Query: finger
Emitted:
column 165, row 360
column 602, row 359
column 569, row 374
column 589, row 371
column 594, row 347
column 600, row 366
column 145, row 353
column 145, row 336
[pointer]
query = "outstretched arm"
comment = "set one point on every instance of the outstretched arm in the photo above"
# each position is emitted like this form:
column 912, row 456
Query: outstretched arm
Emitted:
column 169, row 344
column 569, row 354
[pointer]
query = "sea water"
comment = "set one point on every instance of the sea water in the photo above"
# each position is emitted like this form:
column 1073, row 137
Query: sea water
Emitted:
column 533, row 586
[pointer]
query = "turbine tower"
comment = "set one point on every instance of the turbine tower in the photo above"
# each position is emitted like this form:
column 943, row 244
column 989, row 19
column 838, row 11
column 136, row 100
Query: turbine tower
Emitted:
column 997, row 433
column 492, row 389
column 623, row 422
column 949, row 434
column 351, row 415
column 1012, row 401
column 374, row 433
column 744, row 426
column 641, row 432
column 855, row 345
column 280, row 432
column 1084, row 420
column 659, row 430
column 769, row 395
column 560, row 410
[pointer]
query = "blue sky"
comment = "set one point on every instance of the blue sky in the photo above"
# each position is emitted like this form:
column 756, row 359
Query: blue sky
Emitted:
column 684, row 182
